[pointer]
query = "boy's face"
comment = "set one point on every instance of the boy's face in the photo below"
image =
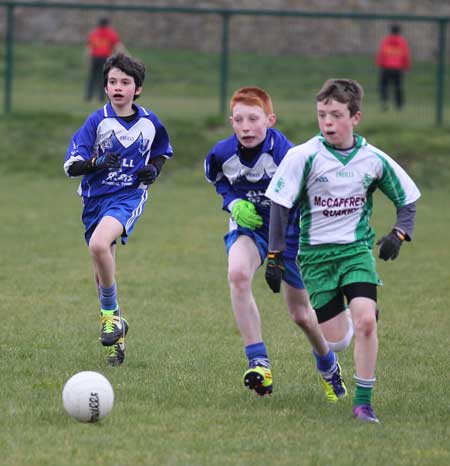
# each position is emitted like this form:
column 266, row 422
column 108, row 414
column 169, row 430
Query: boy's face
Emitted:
column 336, row 124
column 250, row 124
column 121, row 89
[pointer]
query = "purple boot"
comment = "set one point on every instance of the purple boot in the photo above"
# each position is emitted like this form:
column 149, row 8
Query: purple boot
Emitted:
column 365, row 413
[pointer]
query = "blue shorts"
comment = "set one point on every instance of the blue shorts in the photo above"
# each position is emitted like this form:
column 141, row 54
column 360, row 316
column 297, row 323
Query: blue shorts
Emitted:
column 125, row 206
column 291, row 274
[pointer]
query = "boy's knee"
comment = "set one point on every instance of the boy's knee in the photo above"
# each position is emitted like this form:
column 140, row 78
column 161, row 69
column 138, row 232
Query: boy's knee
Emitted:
column 97, row 247
column 366, row 324
column 301, row 314
column 238, row 278
column 299, row 307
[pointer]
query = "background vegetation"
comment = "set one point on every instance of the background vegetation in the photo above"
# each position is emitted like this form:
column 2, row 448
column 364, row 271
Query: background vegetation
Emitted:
column 179, row 396
column 182, row 88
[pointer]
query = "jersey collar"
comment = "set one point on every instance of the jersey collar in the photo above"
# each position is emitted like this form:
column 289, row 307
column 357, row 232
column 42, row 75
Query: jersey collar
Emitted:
column 267, row 145
column 359, row 141
column 108, row 111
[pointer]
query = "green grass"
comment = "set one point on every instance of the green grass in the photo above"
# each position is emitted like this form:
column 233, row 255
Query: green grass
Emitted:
column 179, row 396
column 187, row 84
column 36, row 143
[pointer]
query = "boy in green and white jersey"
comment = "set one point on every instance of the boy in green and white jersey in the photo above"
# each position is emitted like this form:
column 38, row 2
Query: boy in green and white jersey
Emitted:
column 333, row 177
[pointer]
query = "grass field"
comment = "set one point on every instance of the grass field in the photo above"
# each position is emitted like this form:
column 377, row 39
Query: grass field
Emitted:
column 54, row 77
column 179, row 396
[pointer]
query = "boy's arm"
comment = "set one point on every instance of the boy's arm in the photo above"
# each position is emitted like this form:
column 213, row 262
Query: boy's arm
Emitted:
column 80, row 150
column 406, row 219
column 83, row 167
column 151, row 171
column 230, row 198
column 402, row 231
column 243, row 211
column 215, row 176
column 160, row 151
column 158, row 162
column 161, row 146
column 396, row 184
column 279, row 216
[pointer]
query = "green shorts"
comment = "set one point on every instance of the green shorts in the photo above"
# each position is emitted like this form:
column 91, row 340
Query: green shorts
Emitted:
column 327, row 269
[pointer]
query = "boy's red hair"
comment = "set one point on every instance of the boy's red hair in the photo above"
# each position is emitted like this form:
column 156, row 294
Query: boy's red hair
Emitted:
column 254, row 96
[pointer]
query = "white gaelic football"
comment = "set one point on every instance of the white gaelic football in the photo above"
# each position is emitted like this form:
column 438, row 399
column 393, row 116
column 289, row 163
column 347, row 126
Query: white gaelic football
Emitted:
column 88, row 396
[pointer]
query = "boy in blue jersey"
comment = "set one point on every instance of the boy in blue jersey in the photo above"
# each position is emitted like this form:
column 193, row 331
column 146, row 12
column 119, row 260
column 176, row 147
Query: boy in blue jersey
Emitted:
column 241, row 168
column 119, row 151
column 333, row 177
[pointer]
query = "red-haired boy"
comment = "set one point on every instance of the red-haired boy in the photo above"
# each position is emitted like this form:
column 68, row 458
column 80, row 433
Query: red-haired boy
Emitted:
column 241, row 168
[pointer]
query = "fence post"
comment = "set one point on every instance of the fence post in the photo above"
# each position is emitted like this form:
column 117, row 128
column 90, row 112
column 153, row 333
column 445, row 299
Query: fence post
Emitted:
column 9, row 56
column 224, row 62
column 441, row 72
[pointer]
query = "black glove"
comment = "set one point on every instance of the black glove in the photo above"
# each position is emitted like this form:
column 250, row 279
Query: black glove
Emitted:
column 148, row 174
column 390, row 245
column 108, row 160
column 274, row 270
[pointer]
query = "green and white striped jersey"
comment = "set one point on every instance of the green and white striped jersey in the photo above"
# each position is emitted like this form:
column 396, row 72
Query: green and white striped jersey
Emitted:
column 335, row 192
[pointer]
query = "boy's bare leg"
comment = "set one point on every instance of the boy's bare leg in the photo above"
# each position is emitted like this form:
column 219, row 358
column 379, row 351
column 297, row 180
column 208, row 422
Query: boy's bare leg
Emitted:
column 366, row 339
column 102, row 254
column 243, row 261
column 303, row 315
column 366, row 348
column 338, row 331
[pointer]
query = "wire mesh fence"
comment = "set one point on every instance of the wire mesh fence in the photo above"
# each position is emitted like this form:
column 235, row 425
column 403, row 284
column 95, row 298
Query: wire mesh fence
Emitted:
column 197, row 57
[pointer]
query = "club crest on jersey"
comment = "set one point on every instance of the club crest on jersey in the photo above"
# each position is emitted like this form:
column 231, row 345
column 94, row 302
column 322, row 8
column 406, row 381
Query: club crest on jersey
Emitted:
column 107, row 144
column 143, row 145
column 279, row 185
column 367, row 180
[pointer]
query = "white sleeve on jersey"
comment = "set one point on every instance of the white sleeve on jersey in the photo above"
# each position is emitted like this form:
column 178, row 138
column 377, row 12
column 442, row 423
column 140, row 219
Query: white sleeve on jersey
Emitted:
column 286, row 183
column 395, row 183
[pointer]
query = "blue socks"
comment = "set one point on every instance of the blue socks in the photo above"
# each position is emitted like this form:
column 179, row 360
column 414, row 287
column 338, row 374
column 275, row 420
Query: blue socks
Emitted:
column 257, row 350
column 108, row 298
column 326, row 364
column 257, row 353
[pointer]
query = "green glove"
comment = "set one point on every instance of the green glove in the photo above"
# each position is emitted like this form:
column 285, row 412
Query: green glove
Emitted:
column 245, row 214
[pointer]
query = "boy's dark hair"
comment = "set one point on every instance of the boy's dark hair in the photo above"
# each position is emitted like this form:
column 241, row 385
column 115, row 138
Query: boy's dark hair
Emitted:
column 130, row 66
column 346, row 91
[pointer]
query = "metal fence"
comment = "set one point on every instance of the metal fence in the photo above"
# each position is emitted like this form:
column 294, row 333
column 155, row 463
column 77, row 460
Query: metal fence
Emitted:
column 349, row 35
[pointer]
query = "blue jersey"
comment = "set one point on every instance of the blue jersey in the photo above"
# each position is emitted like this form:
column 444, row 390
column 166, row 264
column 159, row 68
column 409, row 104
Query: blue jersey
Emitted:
column 235, row 178
column 136, row 142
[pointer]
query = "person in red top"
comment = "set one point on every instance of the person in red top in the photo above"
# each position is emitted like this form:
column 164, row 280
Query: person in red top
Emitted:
column 393, row 58
column 103, row 41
